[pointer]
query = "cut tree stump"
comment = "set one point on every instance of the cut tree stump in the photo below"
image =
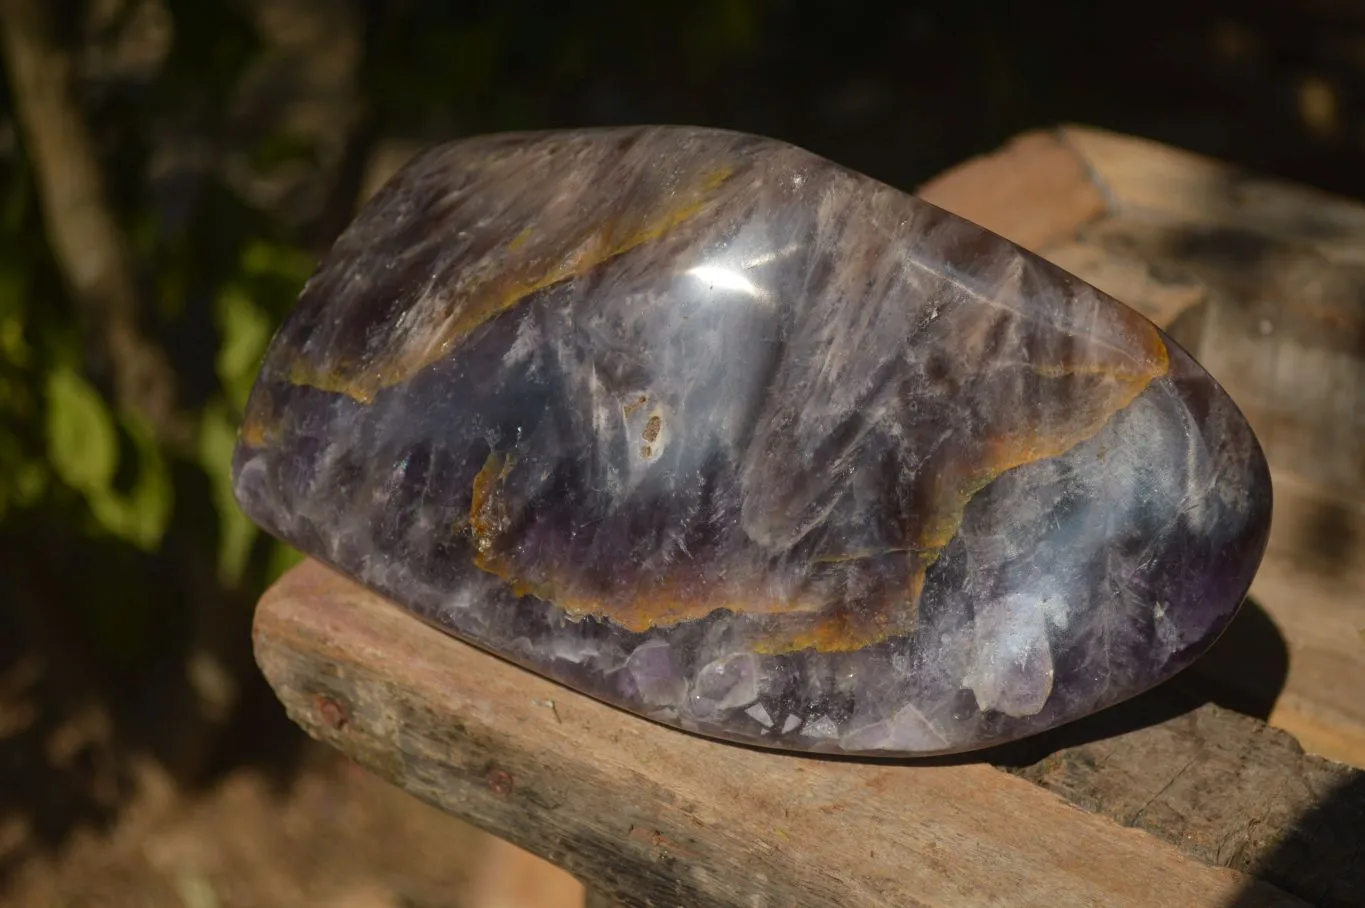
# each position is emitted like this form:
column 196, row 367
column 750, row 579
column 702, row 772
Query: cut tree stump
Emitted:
column 1166, row 800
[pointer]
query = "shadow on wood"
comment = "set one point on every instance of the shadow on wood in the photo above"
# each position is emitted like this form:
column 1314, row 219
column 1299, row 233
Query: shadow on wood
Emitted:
column 1323, row 851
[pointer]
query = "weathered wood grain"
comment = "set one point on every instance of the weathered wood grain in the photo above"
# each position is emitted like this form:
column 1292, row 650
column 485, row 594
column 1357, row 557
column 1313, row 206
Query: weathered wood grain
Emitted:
column 652, row 816
column 1226, row 788
column 1264, row 283
column 1147, row 179
column 1035, row 191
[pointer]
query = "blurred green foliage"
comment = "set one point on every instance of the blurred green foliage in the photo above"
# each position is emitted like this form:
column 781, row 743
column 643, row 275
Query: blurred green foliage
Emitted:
column 67, row 451
column 233, row 137
column 101, row 520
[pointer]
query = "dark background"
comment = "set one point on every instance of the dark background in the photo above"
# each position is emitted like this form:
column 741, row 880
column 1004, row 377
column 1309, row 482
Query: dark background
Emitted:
column 171, row 169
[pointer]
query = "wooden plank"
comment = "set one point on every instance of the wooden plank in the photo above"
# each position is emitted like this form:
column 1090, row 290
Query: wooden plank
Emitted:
column 1035, row 191
column 653, row 816
column 1143, row 178
column 1313, row 585
column 1265, row 284
column 1228, row 789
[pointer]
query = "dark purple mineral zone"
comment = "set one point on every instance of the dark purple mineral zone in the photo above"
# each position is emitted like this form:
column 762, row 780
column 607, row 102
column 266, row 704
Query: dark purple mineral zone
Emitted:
column 739, row 440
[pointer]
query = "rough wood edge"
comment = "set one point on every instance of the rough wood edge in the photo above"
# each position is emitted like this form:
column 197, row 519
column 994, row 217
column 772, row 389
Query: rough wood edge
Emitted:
column 648, row 815
column 1144, row 177
column 1226, row 788
column 1321, row 730
column 1034, row 191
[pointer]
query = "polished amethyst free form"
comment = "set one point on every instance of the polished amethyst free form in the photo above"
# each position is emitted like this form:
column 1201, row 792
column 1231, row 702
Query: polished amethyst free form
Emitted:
column 737, row 439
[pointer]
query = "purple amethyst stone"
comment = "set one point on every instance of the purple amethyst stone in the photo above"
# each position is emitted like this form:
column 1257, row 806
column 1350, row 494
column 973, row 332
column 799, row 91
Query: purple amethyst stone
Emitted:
column 727, row 435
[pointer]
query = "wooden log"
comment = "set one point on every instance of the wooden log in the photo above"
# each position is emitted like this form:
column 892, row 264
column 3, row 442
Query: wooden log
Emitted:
column 1264, row 283
column 1228, row 789
column 648, row 815
column 1164, row 800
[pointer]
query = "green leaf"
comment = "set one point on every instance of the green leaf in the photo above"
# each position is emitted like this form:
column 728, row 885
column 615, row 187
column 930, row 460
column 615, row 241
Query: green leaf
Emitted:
column 82, row 438
column 246, row 332
column 141, row 515
column 236, row 533
column 83, row 448
column 263, row 259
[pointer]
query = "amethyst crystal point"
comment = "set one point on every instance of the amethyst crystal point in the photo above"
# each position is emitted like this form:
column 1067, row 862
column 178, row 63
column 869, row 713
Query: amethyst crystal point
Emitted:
column 737, row 439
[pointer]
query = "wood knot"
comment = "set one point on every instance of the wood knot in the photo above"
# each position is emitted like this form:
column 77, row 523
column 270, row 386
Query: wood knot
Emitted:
column 500, row 780
column 332, row 712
